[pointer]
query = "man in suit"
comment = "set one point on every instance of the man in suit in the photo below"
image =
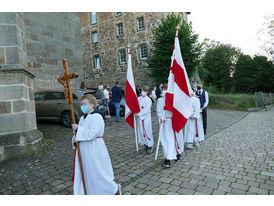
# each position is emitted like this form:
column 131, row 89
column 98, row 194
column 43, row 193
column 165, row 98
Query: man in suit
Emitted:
column 116, row 99
column 203, row 96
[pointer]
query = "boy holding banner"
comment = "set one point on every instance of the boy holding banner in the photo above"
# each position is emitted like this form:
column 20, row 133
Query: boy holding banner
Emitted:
column 144, row 121
column 171, row 141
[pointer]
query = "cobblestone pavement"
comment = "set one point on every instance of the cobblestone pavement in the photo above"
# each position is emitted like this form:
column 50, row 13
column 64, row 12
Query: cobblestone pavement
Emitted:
column 236, row 158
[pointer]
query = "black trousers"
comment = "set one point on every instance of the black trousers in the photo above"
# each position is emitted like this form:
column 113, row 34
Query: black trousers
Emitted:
column 204, row 116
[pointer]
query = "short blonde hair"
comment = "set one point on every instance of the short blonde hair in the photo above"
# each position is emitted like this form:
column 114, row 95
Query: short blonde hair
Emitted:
column 91, row 99
column 145, row 88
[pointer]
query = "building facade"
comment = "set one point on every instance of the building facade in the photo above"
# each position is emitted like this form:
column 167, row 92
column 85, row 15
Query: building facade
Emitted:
column 32, row 46
column 105, row 36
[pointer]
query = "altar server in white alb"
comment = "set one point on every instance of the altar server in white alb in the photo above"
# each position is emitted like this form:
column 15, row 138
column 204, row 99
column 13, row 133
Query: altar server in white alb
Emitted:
column 171, row 141
column 97, row 168
column 194, row 132
column 144, row 121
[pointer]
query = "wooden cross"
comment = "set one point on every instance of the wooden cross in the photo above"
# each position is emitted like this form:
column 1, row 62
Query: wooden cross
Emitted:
column 65, row 81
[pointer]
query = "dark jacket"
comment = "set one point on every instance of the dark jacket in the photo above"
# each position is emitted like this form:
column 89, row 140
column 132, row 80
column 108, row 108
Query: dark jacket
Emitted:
column 138, row 92
column 158, row 92
column 116, row 94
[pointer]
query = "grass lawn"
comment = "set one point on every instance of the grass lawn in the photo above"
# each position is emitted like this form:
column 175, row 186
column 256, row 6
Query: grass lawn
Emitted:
column 231, row 101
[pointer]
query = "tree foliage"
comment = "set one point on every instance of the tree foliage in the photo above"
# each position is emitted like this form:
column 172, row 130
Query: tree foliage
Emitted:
column 220, row 61
column 266, row 37
column 244, row 74
column 162, row 45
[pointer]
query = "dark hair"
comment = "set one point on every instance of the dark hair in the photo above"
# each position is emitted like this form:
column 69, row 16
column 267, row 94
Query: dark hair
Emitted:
column 83, row 85
column 164, row 86
column 116, row 82
column 105, row 87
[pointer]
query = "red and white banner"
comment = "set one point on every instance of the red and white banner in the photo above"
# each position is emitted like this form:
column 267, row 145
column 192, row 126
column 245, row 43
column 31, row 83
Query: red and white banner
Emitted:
column 132, row 105
column 179, row 90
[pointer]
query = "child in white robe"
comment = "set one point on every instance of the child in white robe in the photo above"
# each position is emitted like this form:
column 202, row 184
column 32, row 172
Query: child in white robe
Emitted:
column 144, row 125
column 97, row 168
column 171, row 141
column 194, row 132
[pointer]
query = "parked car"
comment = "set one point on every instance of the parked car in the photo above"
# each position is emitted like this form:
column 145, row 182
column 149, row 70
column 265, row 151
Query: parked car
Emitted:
column 96, row 88
column 122, row 107
column 52, row 105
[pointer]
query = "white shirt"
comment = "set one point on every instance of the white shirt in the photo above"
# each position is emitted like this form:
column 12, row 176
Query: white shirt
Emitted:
column 106, row 94
column 206, row 97
column 153, row 94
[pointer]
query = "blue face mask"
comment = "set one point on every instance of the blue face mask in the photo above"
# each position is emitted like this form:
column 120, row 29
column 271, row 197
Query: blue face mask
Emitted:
column 194, row 85
column 85, row 109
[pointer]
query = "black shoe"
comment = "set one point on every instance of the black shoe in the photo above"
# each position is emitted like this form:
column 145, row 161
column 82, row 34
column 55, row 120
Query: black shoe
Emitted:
column 166, row 163
column 145, row 148
column 178, row 157
column 149, row 150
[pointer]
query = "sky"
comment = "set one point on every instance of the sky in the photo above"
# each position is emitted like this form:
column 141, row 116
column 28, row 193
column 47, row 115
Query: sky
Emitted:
column 229, row 21
column 232, row 23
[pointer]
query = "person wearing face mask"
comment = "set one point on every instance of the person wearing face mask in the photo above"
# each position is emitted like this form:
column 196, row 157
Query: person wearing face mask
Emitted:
column 144, row 125
column 194, row 132
column 194, row 86
column 97, row 168
column 171, row 141
column 203, row 96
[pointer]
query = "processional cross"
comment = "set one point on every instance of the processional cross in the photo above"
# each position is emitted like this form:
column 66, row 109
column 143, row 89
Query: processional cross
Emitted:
column 65, row 81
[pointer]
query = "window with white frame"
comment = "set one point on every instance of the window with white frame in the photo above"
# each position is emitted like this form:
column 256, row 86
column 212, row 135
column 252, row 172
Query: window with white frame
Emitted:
column 94, row 37
column 122, row 56
column 143, row 51
column 96, row 62
column 93, row 17
column 120, row 30
column 141, row 23
column 118, row 13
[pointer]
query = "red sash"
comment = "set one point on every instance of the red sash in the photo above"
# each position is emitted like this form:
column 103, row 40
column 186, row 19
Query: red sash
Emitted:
column 74, row 161
column 144, row 130
column 196, row 135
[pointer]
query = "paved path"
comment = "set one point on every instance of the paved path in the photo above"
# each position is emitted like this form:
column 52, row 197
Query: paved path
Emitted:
column 236, row 158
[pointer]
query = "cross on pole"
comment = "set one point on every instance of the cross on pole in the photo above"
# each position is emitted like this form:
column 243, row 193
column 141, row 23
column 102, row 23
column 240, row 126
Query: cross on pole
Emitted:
column 65, row 81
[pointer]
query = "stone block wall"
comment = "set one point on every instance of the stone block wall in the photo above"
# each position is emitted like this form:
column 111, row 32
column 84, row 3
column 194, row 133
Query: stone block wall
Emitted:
column 12, row 39
column 50, row 37
column 109, row 43
column 18, row 129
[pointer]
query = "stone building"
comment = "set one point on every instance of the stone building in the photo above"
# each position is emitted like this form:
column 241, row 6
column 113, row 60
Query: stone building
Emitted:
column 105, row 36
column 32, row 46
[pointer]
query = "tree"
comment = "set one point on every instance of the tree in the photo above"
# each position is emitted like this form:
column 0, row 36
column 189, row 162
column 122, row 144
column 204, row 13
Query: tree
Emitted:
column 255, row 74
column 266, row 36
column 162, row 45
column 244, row 74
column 264, row 74
column 220, row 61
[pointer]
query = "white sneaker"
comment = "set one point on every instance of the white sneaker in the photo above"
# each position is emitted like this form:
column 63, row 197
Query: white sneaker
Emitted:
column 108, row 117
column 197, row 144
column 190, row 146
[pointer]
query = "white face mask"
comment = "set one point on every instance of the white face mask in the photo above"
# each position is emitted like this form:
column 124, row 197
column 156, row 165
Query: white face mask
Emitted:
column 144, row 94
column 163, row 93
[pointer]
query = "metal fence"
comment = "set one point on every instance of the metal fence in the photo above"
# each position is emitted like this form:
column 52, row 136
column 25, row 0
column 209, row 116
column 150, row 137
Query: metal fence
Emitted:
column 263, row 99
